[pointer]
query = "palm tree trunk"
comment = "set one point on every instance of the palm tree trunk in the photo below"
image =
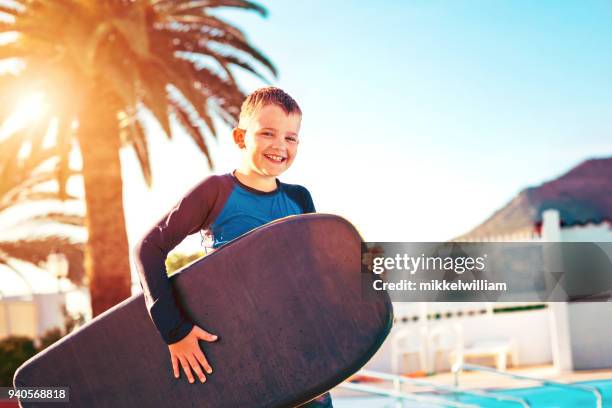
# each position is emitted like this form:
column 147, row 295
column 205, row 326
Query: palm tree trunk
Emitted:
column 106, row 253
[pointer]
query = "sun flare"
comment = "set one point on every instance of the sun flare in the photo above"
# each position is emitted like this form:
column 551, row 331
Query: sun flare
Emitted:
column 29, row 108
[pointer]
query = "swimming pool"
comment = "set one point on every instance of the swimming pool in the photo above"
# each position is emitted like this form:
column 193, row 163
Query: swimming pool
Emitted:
column 536, row 397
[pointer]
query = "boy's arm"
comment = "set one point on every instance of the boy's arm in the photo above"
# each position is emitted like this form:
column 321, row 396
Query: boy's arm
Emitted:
column 194, row 212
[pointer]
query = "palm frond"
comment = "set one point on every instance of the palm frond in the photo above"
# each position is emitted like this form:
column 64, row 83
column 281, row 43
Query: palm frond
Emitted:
column 138, row 140
column 132, row 25
column 227, row 98
column 42, row 196
column 237, row 43
column 155, row 95
column 231, row 59
column 192, row 129
column 180, row 74
column 15, row 166
column 12, row 49
column 167, row 23
column 6, row 27
column 36, row 251
column 225, row 60
column 22, row 174
column 115, row 62
column 24, row 191
column 76, row 220
column 190, row 45
column 10, row 10
column 64, row 145
column 190, row 6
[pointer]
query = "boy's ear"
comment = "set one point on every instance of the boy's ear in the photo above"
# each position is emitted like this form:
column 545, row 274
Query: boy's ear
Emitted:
column 238, row 135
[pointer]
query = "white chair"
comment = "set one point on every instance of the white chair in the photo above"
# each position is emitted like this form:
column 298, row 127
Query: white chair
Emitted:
column 407, row 341
column 444, row 337
column 500, row 349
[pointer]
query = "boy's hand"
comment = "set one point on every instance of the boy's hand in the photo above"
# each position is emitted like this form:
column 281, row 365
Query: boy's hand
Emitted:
column 188, row 353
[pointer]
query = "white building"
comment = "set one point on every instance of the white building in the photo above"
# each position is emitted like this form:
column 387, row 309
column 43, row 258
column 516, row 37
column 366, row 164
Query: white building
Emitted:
column 32, row 299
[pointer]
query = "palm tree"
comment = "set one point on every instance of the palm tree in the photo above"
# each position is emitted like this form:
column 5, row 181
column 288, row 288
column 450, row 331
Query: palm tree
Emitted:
column 21, row 182
column 101, row 63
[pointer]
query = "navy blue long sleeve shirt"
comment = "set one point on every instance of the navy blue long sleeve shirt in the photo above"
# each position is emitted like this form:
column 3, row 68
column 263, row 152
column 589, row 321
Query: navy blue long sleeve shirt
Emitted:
column 224, row 208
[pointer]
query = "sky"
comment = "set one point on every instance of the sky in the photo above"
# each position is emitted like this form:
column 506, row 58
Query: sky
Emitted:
column 421, row 118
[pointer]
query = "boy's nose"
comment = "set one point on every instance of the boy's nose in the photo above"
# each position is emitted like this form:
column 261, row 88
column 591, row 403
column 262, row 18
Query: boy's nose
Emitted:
column 280, row 145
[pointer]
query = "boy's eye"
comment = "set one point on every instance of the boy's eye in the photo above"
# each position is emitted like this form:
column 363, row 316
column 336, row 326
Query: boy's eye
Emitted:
column 292, row 139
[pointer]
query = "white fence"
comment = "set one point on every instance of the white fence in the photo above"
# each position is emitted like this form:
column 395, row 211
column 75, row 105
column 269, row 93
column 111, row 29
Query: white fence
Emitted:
column 31, row 315
column 530, row 330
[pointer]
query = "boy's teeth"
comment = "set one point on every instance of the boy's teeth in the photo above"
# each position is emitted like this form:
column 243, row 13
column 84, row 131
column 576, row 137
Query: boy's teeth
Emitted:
column 276, row 158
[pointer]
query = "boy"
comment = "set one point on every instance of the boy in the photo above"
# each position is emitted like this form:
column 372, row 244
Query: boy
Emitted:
column 226, row 206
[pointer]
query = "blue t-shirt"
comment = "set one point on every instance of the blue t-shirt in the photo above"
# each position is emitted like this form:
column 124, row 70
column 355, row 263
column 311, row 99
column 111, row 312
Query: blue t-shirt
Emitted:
column 247, row 208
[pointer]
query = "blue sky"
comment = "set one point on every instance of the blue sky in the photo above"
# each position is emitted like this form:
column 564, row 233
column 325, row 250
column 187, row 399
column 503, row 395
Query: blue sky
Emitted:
column 421, row 118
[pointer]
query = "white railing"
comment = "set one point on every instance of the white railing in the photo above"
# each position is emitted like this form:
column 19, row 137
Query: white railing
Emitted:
column 398, row 380
column 458, row 368
column 404, row 396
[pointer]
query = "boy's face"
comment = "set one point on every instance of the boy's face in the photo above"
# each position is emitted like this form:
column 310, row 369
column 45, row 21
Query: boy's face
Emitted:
column 270, row 140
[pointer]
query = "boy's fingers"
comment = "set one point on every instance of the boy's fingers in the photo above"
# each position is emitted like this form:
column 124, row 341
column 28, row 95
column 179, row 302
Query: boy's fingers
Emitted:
column 204, row 362
column 196, row 367
column 175, row 366
column 186, row 369
column 204, row 335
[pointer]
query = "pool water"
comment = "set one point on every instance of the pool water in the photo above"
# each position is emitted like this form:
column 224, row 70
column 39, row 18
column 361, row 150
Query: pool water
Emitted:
column 537, row 397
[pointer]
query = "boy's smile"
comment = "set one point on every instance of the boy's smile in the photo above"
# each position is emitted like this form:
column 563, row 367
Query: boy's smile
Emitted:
column 269, row 144
column 275, row 158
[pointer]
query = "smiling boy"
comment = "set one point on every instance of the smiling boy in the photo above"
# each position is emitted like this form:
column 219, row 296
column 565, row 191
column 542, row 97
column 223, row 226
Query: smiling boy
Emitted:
column 226, row 206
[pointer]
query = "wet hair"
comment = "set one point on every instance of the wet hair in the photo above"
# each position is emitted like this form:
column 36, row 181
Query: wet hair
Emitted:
column 264, row 97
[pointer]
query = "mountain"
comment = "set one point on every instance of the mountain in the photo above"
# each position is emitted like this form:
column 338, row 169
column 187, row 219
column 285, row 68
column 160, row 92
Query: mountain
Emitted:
column 582, row 195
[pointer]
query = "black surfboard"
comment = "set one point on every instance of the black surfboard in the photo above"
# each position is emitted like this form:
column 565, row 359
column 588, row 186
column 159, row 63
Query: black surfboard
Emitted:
column 287, row 304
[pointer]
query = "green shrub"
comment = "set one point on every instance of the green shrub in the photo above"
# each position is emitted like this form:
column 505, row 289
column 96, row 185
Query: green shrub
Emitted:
column 177, row 260
column 50, row 337
column 14, row 351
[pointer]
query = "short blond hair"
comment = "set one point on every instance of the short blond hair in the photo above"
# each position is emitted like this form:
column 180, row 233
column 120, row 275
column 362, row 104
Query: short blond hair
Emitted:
column 263, row 97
